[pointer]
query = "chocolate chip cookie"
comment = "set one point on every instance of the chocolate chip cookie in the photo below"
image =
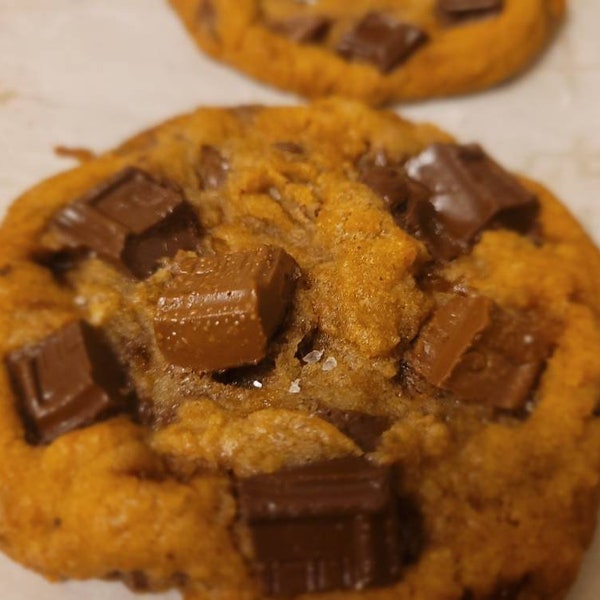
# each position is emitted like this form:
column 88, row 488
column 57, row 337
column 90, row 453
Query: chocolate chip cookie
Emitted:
column 317, row 352
column 374, row 51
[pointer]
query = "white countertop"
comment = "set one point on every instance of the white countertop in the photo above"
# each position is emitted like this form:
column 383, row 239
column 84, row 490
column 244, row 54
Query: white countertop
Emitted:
column 92, row 72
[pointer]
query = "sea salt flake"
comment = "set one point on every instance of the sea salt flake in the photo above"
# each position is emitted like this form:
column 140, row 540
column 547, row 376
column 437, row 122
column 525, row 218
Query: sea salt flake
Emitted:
column 330, row 364
column 294, row 387
column 313, row 357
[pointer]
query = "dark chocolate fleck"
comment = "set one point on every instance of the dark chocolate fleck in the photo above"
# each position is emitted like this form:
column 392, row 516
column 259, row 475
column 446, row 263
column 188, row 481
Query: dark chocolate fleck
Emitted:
column 290, row 147
column 469, row 193
column 219, row 312
column 363, row 429
column 132, row 221
column 381, row 40
column 70, row 379
column 459, row 10
column 481, row 353
column 303, row 29
column 326, row 526
column 207, row 17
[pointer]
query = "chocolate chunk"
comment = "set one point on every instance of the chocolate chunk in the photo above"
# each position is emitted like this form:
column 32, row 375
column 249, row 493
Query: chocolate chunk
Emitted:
column 470, row 192
column 212, row 168
column 304, row 29
column 132, row 221
column 327, row 526
column 481, row 353
column 467, row 9
column 363, row 429
column 381, row 40
column 70, row 379
column 389, row 182
column 219, row 312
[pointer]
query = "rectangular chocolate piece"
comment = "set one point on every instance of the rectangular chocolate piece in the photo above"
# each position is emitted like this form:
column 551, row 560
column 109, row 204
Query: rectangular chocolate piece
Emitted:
column 382, row 41
column 469, row 194
column 69, row 380
column 219, row 312
column 326, row 526
column 132, row 221
column 481, row 353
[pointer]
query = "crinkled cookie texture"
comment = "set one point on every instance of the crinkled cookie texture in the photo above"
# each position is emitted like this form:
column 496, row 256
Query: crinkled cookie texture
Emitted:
column 179, row 477
column 376, row 51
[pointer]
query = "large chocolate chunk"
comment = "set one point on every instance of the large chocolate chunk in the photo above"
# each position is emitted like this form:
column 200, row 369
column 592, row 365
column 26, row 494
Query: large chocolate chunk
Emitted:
column 481, row 353
column 469, row 193
column 327, row 526
column 381, row 40
column 132, row 221
column 458, row 10
column 304, row 29
column 69, row 380
column 219, row 312
column 363, row 429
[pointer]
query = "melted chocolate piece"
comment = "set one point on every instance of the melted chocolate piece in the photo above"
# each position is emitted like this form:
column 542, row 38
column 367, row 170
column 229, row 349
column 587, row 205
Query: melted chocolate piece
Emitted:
column 363, row 429
column 304, row 29
column 381, row 40
column 206, row 17
column 212, row 168
column 470, row 193
column 326, row 526
column 481, row 353
column 70, row 379
column 219, row 312
column 132, row 221
column 459, row 10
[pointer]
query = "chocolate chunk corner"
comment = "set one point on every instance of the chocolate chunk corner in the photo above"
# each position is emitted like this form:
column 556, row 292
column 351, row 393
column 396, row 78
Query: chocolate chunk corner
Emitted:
column 481, row 353
column 132, row 221
column 327, row 526
column 468, row 193
column 381, row 40
column 68, row 380
column 219, row 312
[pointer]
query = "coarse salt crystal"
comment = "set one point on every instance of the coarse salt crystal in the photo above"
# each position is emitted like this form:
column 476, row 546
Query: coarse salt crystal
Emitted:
column 330, row 364
column 294, row 387
column 313, row 357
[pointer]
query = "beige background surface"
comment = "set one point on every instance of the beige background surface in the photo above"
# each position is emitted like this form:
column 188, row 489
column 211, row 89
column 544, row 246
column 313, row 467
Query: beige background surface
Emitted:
column 92, row 72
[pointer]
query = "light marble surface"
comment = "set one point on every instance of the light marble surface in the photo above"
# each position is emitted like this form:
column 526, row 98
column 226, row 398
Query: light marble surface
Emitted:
column 92, row 72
